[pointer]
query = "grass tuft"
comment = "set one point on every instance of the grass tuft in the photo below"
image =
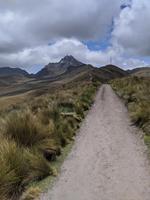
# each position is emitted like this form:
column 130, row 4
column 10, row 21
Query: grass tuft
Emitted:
column 18, row 168
column 25, row 129
column 31, row 194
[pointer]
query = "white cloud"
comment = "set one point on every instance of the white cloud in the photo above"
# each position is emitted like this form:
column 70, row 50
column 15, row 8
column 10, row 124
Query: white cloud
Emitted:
column 29, row 23
column 132, row 27
column 41, row 55
column 27, row 26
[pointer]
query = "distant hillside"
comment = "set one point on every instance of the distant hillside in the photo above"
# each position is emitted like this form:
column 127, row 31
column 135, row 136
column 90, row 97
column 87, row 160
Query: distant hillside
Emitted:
column 140, row 72
column 10, row 76
column 8, row 71
column 103, row 74
column 68, row 69
column 112, row 71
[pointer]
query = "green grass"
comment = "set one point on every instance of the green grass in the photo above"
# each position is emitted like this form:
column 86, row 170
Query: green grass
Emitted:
column 147, row 140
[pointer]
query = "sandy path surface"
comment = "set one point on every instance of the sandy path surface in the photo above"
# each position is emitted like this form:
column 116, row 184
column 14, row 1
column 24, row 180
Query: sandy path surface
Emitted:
column 108, row 160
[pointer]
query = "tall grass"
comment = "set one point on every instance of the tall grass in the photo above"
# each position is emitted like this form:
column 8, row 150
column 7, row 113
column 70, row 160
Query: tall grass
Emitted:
column 34, row 136
column 18, row 167
column 136, row 93
column 25, row 129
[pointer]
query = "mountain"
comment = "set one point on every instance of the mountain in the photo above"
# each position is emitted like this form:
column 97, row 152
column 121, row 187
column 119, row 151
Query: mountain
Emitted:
column 88, row 72
column 68, row 70
column 141, row 72
column 10, row 76
column 113, row 71
column 8, row 71
column 69, row 67
column 55, row 69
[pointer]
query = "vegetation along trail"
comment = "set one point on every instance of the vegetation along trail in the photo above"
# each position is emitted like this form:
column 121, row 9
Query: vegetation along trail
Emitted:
column 108, row 160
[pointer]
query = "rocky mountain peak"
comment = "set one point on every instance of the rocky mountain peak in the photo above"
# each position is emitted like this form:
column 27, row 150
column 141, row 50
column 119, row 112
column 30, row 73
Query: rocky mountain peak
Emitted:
column 70, row 60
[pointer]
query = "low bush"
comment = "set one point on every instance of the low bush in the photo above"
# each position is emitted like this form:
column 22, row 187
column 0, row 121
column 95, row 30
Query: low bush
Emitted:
column 31, row 194
column 66, row 106
column 25, row 129
column 39, row 168
column 49, row 148
column 18, row 167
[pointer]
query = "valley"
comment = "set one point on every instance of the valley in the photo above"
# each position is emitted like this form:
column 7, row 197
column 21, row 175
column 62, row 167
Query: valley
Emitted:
column 41, row 114
column 74, row 100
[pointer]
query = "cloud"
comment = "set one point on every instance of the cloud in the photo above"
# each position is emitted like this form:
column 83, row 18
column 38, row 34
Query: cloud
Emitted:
column 131, row 29
column 29, row 23
column 32, row 59
column 28, row 26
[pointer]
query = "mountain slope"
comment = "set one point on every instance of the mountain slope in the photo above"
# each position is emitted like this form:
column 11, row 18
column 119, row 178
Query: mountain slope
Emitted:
column 10, row 76
column 67, row 70
column 141, row 72
column 8, row 71
column 69, row 67
column 114, row 71
column 55, row 69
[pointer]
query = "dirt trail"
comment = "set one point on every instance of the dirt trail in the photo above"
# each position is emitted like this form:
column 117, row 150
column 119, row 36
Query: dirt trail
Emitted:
column 108, row 160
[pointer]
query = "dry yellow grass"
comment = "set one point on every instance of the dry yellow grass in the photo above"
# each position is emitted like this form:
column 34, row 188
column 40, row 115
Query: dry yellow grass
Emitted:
column 136, row 93
column 31, row 194
column 7, row 102
column 40, row 125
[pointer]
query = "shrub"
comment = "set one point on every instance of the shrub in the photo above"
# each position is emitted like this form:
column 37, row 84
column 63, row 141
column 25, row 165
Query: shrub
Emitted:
column 31, row 194
column 141, row 114
column 49, row 148
column 66, row 106
column 18, row 167
column 13, row 169
column 45, row 115
column 25, row 129
column 66, row 129
column 39, row 168
column 79, row 109
column 38, row 104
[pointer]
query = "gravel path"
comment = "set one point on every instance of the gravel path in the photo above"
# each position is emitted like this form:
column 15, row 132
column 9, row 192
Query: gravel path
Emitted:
column 108, row 160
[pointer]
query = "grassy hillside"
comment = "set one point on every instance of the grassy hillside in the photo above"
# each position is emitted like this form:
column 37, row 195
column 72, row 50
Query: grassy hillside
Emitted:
column 143, row 73
column 34, row 133
column 38, row 118
column 17, row 85
column 136, row 93
column 140, row 72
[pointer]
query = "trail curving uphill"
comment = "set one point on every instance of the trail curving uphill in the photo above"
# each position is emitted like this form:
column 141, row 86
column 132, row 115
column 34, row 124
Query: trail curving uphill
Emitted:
column 108, row 160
